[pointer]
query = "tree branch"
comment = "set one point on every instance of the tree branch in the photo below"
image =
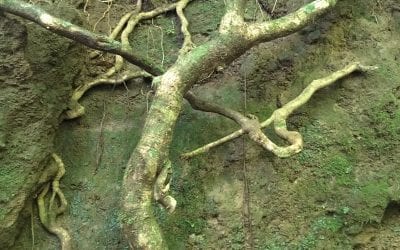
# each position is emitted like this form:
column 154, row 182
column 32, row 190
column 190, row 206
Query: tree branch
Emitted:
column 233, row 18
column 76, row 33
column 237, row 6
column 278, row 117
column 250, row 126
column 286, row 25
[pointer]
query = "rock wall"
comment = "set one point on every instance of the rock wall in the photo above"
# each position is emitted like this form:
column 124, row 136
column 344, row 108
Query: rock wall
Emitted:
column 36, row 72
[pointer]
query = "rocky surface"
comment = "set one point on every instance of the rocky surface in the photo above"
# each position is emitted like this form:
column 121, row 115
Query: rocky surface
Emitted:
column 36, row 73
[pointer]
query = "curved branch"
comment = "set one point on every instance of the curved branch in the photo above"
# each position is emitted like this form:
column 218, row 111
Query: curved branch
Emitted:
column 279, row 116
column 286, row 25
column 76, row 33
column 77, row 110
column 252, row 127
column 133, row 21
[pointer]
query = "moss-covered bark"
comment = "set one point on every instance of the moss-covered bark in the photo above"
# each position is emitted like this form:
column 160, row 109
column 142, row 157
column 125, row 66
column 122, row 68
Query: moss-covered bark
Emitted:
column 234, row 39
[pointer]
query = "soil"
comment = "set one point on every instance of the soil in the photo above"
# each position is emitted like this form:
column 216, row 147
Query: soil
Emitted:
column 341, row 192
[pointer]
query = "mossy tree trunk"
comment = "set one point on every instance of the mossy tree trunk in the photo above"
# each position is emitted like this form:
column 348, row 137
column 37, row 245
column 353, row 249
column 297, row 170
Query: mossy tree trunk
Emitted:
column 235, row 37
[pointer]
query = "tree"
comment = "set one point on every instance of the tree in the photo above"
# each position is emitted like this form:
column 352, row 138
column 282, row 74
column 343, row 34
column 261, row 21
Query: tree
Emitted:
column 147, row 173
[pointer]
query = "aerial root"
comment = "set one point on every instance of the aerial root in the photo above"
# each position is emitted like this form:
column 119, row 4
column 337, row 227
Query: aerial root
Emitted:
column 48, row 212
column 76, row 110
column 131, row 23
column 252, row 127
column 125, row 26
column 162, row 186
column 187, row 42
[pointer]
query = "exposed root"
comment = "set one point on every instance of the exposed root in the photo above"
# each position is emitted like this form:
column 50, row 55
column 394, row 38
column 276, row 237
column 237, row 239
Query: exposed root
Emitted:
column 250, row 126
column 125, row 20
column 187, row 42
column 115, row 32
column 161, row 42
column 253, row 128
column 135, row 19
column 77, row 110
column 162, row 186
column 48, row 213
column 105, row 13
column 129, row 21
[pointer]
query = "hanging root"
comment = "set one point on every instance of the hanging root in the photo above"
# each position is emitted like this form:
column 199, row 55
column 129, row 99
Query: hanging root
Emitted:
column 187, row 42
column 130, row 20
column 48, row 212
column 162, row 186
column 252, row 127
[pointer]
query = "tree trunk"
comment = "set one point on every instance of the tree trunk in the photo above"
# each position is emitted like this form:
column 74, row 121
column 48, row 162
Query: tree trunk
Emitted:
column 142, row 230
column 235, row 37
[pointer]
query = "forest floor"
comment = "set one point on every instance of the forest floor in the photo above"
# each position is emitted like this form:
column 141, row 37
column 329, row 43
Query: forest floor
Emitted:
column 341, row 192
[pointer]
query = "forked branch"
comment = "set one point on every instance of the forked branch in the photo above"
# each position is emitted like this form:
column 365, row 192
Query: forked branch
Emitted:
column 278, row 117
column 286, row 25
column 77, row 33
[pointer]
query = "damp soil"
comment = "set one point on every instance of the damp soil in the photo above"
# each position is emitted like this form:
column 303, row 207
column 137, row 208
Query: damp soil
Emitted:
column 341, row 192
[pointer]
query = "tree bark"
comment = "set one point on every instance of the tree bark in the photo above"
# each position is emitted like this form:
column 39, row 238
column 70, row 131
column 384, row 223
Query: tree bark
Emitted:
column 140, row 226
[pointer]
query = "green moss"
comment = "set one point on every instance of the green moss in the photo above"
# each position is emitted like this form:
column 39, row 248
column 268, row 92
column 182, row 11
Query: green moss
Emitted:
column 275, row 244
column 11, row 179
column 386, row 118
column 339, row 168
column 189, row 217
column 374, row 193
column 328, row 223
column 156, row 39
column 309, row 8
column 322, row 229
column 367, row 202
column 205, row 16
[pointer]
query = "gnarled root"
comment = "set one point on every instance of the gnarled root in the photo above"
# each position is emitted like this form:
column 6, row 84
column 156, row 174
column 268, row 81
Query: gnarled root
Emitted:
column 48, row 212
column 162, row 186
column 76, row 110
